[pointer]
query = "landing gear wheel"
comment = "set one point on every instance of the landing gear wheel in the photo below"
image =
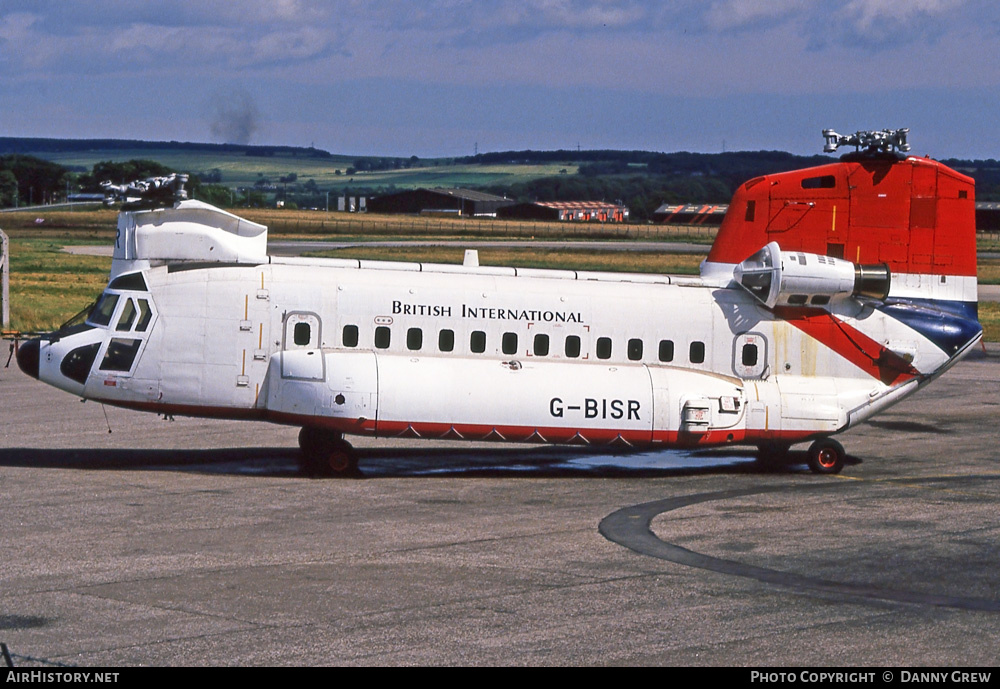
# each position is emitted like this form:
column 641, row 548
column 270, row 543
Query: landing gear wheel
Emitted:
column 826, row 456
column 312, row 440
column 326, row 453
column 341, row 460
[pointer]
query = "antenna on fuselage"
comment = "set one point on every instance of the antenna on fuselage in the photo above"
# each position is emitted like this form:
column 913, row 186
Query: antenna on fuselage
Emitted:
column 881, row 141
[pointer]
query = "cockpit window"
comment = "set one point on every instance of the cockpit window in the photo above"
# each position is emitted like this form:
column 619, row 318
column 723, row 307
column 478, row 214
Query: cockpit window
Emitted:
column 127, row 317
column 76, row 365
column 132, row 281
column 76, row 324
column 104, row 309
column 120, row 355
column 144, row 315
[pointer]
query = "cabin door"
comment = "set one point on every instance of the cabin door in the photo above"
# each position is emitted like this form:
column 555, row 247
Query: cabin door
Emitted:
column 301, row 357
column 750, row 356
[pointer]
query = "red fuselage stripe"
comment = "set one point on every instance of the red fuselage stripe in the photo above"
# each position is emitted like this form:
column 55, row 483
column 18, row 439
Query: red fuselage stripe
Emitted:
column 852, row 344
column 468, row 431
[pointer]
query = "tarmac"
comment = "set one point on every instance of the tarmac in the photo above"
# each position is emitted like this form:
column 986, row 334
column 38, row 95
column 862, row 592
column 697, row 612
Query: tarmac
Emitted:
column 129, row 540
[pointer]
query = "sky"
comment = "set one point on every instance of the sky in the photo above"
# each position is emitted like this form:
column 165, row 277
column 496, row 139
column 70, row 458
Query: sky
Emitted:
column 437, row 78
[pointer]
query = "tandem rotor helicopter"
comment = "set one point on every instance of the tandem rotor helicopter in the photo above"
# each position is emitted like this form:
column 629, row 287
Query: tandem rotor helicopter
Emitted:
column 829, row 294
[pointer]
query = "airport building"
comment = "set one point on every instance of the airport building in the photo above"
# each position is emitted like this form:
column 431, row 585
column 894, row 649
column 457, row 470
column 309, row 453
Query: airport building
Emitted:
column 690, row 214
column 583, row 211
column 465, row 202
column 987, row 216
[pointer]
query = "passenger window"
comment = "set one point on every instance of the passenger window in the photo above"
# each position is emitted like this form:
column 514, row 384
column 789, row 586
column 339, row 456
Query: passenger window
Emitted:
column 145, row 313
column 666, row 350
column 446, row 340
column 127, row 317
column 541, row 345
column 382, row 336
column 350, row 336
column 120, row 355
column 414, row 339
column 477, row 343
column 509, row 343
column 104, row 309
column 573, row 346
column 634, row 349
column 749, row 355
column 697, row 352
column 301, row 334
column 604, row 348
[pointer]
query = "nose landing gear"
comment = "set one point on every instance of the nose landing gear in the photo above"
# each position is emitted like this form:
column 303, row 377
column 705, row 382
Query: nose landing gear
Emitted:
column 326, row 453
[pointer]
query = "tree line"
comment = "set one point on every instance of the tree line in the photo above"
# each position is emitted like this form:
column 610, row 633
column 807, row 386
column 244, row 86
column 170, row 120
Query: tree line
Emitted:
column 640, row 180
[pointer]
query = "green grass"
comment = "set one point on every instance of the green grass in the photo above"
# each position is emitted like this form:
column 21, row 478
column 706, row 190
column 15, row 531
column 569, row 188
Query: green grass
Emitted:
column 48, row 285
column 989, row 270
column 335, row 225
column 989, row 318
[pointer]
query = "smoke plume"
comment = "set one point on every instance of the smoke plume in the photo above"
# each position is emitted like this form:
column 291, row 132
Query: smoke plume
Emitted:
column 235, row 119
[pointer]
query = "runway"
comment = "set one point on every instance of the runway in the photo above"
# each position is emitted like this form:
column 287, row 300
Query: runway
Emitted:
column 198, row 542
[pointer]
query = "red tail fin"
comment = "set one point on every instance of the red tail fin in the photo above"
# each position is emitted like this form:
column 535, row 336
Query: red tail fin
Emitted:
column 914, row 214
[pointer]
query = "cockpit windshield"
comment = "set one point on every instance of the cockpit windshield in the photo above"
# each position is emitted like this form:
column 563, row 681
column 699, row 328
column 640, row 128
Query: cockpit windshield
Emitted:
column 76, row 324
column 103, row 310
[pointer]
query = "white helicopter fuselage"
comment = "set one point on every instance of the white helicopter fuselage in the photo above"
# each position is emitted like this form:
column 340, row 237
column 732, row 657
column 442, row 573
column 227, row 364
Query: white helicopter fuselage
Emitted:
column 779, row 348
column 448, row 351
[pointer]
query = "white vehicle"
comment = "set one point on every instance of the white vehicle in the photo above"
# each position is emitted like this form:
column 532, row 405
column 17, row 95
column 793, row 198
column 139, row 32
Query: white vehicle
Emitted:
column 829, row 294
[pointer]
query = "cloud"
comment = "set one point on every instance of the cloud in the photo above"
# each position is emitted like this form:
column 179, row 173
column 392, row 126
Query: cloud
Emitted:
column 880, row 25
column 724, row 15
column 149, row 64
column 138, row 36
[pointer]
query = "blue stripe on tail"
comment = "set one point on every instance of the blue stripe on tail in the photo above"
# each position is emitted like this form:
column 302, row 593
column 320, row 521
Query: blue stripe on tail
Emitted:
column 951, row 325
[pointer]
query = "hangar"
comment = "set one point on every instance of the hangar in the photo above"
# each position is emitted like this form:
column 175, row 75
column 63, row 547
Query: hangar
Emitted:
column 987, row 216
column 599, row 211
column 690, row 214
column 447, row 201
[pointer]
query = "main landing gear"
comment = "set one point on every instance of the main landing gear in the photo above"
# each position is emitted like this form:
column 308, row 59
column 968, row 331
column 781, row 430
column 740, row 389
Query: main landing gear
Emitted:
column 326, row 453
column 773, row 456
column 826, row 456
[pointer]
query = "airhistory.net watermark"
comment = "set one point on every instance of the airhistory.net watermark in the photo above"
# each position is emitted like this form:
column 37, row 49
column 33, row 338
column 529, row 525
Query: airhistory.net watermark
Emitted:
column 60, row 677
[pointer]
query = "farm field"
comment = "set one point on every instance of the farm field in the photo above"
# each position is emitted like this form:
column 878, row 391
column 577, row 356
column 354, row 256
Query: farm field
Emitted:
column 359, row 226
column 239, row 170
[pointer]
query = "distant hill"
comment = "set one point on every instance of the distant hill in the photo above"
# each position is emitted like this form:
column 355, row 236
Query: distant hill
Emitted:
column 37, row 146
column 310, row 177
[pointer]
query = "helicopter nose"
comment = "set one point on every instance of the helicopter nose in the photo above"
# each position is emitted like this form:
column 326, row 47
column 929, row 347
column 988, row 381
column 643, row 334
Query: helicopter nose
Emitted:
column 27, row 357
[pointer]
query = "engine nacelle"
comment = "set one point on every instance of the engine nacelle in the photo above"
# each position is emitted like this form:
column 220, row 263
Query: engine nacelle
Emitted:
column 794, row 278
